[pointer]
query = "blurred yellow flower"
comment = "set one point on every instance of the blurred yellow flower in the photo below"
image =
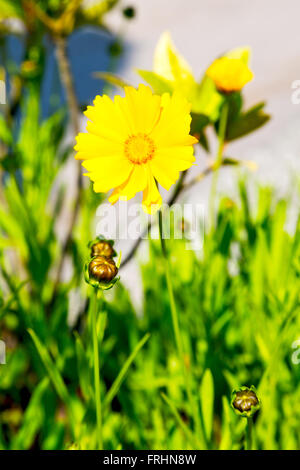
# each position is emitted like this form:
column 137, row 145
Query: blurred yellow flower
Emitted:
column 229, row 74
column 134, row 141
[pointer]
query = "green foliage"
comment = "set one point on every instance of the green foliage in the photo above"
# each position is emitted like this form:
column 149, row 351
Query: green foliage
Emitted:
column 239, row 316
column 238, row 301
column 247, row 122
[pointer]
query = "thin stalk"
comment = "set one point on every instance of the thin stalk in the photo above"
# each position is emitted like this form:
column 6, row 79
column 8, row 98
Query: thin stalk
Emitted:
column 178, row 188
column 94, row 313
column 174, row 314
column 175, row 323
column 249, row 434
column 218, row 161
column 73, row 106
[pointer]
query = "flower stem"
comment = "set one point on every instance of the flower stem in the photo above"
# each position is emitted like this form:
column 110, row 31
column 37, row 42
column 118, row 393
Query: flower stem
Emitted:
column 94, row 313
column 218, row 161
column 175, row 322
column 249, row 434
column 174, row 314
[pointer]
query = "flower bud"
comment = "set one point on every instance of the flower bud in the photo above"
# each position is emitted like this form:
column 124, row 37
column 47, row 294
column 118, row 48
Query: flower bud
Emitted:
column 103, row 269
column 229, row 74
column 102, row 248
column 244, row 401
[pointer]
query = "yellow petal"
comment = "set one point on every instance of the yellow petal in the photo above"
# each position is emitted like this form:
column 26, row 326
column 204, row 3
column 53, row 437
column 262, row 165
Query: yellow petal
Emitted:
column 171, row 154
column 108, row 172
column 90, row 146
column 109, row 121
column 173, row 127
column 151, row 198
column 144, row 108
column 136, row 182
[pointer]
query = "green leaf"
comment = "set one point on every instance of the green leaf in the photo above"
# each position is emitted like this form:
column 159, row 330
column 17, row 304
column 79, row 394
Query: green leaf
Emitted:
column 207, row 100
column 199, row 122
column 207, row 402
column 5, row 133
column 111, row 78
column 10, row 9
column 168, row 63
column 188, row 434
column 121, row 376
column 247, row 122
column 33, row 417
column 172, row 67
column 83, row 368
column 51, row 369
column 159, row 84
column 226, row 439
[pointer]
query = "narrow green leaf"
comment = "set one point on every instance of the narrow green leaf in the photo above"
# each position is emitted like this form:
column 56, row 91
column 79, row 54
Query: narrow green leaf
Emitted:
column 207, row 402
column 5, row 133
column 247, row 122
column 169, row 63
column 188, row 434
column 51, row 369
column 83, row 369
column 121, row 376
column 159, row 84
column 111, row 78
column 33, row 418
column 226, row 439
column 206, row 99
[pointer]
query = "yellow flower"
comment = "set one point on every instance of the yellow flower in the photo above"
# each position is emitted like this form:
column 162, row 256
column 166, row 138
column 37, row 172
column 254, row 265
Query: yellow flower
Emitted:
column 229, row 74
column 134, row 141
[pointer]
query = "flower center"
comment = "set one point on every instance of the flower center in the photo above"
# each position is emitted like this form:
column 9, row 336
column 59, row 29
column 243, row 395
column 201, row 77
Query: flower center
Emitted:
column 139, row 148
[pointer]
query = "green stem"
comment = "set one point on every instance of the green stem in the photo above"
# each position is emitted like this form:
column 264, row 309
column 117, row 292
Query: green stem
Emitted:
column 175, row 323
column 249, row 434
column 174, row 314
column 94, row 312
column 218, row 161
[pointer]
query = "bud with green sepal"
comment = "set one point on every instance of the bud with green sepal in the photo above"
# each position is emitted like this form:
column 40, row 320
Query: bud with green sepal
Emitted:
column 100, row 246
column 245, row 402
column 101, row 270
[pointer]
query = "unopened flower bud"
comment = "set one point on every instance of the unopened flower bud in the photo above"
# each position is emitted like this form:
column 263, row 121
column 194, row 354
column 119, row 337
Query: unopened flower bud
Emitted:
column 245, row 401
column 103, row 269
column 102, row 248
column 229, row 74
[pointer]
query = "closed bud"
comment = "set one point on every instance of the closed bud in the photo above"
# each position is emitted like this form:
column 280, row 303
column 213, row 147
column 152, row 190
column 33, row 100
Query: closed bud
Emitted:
column 244, row 401
column 102, row 248
column 103, row 269
column 229, row 74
